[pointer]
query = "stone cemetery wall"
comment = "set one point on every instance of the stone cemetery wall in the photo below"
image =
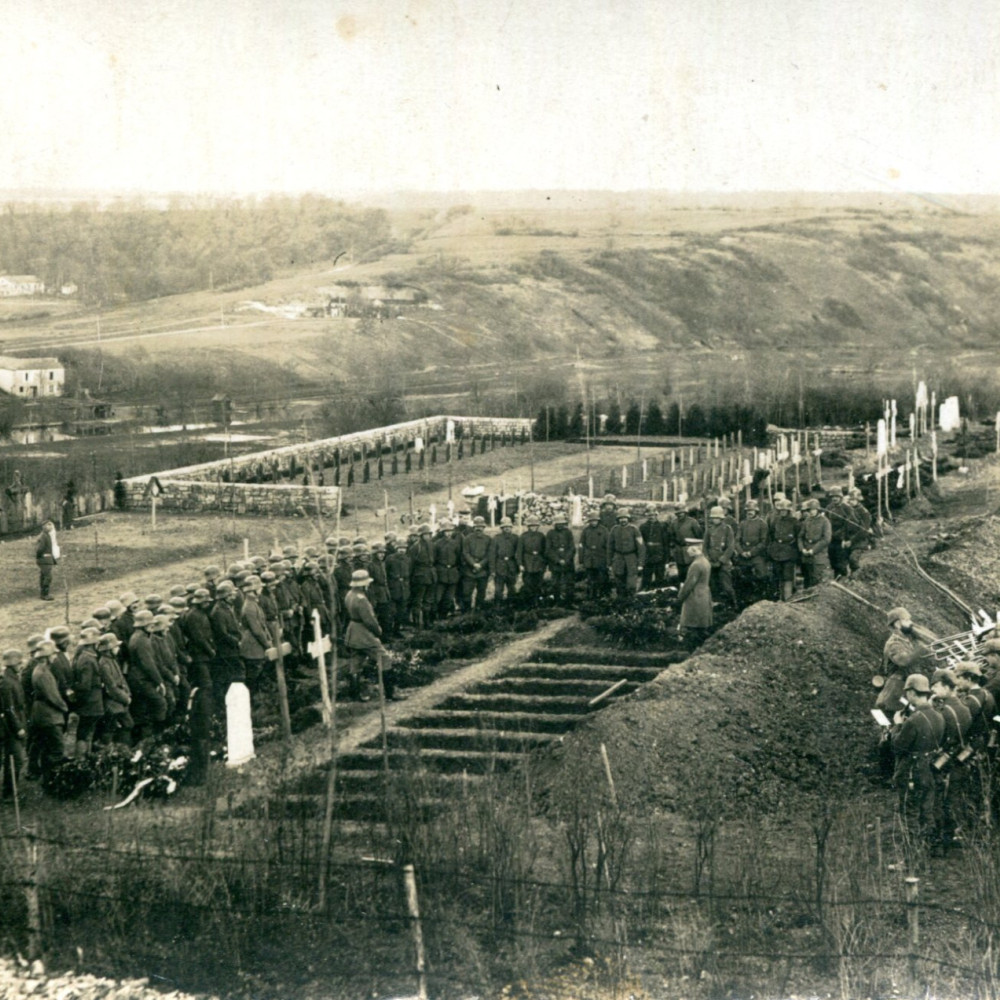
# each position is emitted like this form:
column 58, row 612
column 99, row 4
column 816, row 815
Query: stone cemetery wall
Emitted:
column 195, row 496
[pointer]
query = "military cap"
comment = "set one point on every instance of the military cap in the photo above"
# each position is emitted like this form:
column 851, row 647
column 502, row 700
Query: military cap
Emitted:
column 290, row 552
column 991, row 646
column 447, row 525
column 592, row 516
column 532, row 519
column 89, row 636
column 717, row 512
column 235, row 570
column 115, row 607
column 609, row 498
column 143, row 618
column 108, row 641
column 177, row 590
column 240, row 576
column 201, row 596
column 751, row 505
column 479, row 522
column 128, row 598
column 506, row 522
column 45, row 648
column 811, row 504
column 693, row 541
column 312, row 552
column 725, row 502
column 693, row 507
column 391, row 536
column 59, row 632
column 258, row 561
column 943, row 676
column 226, row 587
column 12, row 657
column 152, row 600
column 783, row 504
column 623, row 515
column 331, row 542
column 918, row 682
column 779, row 495
column 90, row 623
column 306, row 567
column 178, row 602
column 649, row 508
column 211, row 571
column 101, row 613
column 190, row 588
column 267, row 577
column 378, row 546
column 343, row 540
column 34, row 641
column 360, row 578
column 285, row 566
column 560, row 518
column 897, row 615
column 275, row 557
column 835, row 491
column 162, row 622
column 253, row 579
column 424, row 529
column 360, row 543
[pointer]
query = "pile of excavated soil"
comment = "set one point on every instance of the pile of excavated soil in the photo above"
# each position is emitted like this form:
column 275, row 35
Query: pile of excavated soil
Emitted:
column 24, row 981
column 776, row 703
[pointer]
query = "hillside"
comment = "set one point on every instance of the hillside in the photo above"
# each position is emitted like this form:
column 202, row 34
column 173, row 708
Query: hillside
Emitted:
column 633, row 291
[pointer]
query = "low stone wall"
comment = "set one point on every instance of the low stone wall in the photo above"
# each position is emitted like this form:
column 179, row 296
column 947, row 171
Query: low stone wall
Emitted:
column 233, row 498
column 283, row 463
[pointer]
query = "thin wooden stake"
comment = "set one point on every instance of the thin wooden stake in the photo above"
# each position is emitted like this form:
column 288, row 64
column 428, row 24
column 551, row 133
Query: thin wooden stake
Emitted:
column 607, row 772
column 413, row 909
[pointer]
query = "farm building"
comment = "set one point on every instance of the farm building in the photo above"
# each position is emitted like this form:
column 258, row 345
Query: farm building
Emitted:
column 32, row 378
column 12, row 285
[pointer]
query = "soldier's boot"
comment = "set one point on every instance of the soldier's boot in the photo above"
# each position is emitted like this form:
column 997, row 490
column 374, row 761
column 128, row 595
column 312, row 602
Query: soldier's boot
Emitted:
column 787, row 589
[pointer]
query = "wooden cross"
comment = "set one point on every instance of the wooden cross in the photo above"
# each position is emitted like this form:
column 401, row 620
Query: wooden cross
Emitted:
column 318, row 649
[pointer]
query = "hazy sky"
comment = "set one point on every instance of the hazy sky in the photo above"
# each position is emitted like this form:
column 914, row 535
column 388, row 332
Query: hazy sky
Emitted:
column 337, row 97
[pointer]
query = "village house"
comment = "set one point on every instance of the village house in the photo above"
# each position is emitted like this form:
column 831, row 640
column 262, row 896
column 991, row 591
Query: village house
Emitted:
column 32, row 378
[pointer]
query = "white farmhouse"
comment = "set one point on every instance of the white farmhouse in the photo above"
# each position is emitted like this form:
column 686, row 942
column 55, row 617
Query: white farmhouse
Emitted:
column 12, row 285
column 32, row 378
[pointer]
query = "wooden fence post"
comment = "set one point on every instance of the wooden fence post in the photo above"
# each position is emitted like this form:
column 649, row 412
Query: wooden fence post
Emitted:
column 413, row 910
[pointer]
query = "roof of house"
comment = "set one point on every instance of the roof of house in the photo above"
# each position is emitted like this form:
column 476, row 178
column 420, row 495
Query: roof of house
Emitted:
column 28, row 364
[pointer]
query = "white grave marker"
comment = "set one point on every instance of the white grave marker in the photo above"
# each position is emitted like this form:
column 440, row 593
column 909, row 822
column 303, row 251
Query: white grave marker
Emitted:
column 239, row 727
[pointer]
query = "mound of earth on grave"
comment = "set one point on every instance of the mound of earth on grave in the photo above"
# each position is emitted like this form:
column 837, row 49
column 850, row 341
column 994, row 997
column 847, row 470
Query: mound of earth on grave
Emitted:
column 776, row 704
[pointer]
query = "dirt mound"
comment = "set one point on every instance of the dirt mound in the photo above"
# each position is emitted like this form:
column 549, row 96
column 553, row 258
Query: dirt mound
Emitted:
column 775, row 705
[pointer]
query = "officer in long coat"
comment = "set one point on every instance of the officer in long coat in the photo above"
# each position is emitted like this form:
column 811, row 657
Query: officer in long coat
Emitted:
column 48, row 711
column 503, row 561
column 695, row 594
column 397, row 576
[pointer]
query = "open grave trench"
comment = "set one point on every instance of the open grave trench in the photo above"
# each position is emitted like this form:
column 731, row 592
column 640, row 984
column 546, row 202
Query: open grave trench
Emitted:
column 459, row 737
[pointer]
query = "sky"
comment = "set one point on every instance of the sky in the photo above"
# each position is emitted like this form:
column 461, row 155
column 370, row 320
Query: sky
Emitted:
column 339, row 98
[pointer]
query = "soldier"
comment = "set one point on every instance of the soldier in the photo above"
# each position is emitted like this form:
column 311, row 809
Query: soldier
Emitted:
column 47, row 717
column 477, row 554
column 89, row 692
column 255, row 639
column 503, row 561
column 560, row 556
column 685, row 526
column 982, row 707
column 838, row 514
column 378, row 592
column 447, row 560
column 751, row 551
column 656, row 538
column 201, row 646
column 226, row 635
column 211, row 574
column 916, row 740
column 626, row 553
column 782, row 547
column 718, row 546
column 904, row 652
column 594, row 556
column 953, row 780
column 423, row 578
column 13, row 723
column 149, row 701
column 531, row 559
column 46, row 556
column 814, row 543
column 397, row 575
column 363, row 639
column 695, row 594
column 116, row 725
column 166, row 661
column 609, row 511
column 858, row 532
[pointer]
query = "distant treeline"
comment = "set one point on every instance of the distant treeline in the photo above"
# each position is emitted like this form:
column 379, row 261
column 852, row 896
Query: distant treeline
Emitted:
column 134, row 252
